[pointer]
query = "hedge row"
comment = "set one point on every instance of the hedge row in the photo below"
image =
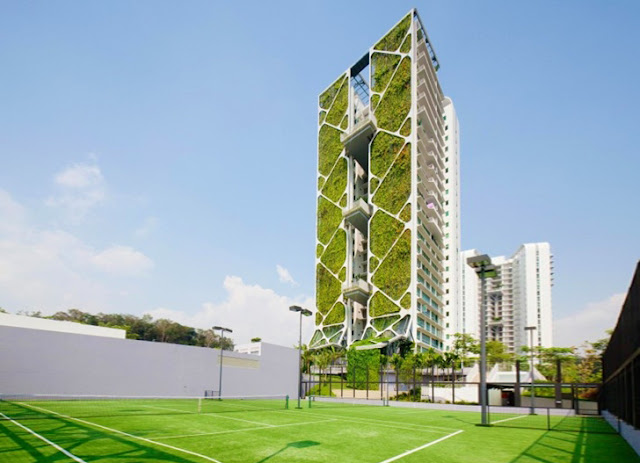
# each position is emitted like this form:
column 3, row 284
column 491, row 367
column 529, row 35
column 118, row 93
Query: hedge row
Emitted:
column 394, row 272
column 396, row 101
column 384, row 231
column 395, row 189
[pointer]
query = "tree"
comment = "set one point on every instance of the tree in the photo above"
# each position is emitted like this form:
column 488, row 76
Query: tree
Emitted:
column 496, row 353
column 465, row 344
column 2, row 310
column 256, row 339
column 396, row 361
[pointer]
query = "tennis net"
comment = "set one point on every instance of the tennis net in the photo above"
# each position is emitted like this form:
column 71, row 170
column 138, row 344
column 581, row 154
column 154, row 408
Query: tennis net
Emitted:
column 549, row 419
column 19, row 407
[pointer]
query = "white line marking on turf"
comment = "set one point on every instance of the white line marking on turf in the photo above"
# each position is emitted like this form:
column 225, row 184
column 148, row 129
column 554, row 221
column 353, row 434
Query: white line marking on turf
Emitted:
column 52, row 444
column 409, row 452
column 208, row 414
column 509, row 419
column 239, row 430
column 124, row 433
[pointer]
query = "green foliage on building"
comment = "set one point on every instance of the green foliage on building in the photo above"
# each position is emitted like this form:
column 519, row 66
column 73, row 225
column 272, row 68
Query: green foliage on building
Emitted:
column 329, row 148
column 373, row 263
column 320, row 182
column 336, row 184
column 319, row 250
column 375, row 99
column 393, row 275
column 406, row 45
column 384, row 149
column 339, row 107
column 329, row 218
column 327, row 289
column 345, row 123
column 321, row 117
column 385, row 230
column 392, row 41
column 405, row 131
column 336, row 252
column 383, row 66
column 326, row 98
column 383, row 323
column 395, row 189
column 405, row 302
column 336, row 315
column 405, row 215
column 343, row 201
column 343, row 274
column 380, row 305
column 396, row 101
column 363, row 366
column 373, row 184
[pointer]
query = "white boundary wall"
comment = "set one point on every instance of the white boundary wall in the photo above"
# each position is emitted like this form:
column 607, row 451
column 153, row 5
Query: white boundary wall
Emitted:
column 35, row 323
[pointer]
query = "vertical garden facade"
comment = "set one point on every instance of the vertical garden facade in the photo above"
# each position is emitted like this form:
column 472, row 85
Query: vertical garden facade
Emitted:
column 384, row 168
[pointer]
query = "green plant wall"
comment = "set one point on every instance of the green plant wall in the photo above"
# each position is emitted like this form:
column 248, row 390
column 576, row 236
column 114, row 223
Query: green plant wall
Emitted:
column 363, row 366
column 396, row 101
column 336, row 315
column 336, row 252
column 386, row 229
column 336, row 183
column 384, row 149
column 393, row 275
column 394, row 191
column 394, row 38
column 327, row 289
column 380, row 305
column 329, row 218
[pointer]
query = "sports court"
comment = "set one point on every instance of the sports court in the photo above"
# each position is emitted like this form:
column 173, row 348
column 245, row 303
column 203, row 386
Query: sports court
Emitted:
column 271, row 429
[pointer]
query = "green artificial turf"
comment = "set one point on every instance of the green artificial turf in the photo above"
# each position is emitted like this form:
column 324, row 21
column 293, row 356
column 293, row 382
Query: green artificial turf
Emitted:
column 151, row 431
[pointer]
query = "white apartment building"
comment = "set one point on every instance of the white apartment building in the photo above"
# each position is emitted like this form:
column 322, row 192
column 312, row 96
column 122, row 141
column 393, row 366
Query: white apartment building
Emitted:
column 519, row 296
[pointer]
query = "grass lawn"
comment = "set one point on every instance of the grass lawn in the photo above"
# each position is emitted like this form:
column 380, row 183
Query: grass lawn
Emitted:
column 149, row 431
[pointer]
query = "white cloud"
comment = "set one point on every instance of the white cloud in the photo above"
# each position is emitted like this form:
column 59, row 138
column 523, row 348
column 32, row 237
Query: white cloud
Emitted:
column 285, row 276
column 250, row 311
column 80, row 188
column 122, row 260
column 50, row 269
column 588, row 324
column 147, row 227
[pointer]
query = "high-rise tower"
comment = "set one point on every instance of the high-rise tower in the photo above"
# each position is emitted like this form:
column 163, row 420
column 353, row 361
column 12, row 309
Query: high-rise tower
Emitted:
column 388, row 218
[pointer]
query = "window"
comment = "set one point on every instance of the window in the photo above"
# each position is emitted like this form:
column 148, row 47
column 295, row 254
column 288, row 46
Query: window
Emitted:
column 447, row 214
column 446, row 159
column 446, row 148
column 446, row 127
column 444, row 118
column 446, row 138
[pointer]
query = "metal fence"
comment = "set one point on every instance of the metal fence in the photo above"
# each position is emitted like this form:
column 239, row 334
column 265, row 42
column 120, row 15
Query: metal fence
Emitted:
column 621, row 360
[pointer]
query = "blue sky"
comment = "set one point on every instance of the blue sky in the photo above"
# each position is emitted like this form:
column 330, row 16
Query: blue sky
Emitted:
column 160, row 156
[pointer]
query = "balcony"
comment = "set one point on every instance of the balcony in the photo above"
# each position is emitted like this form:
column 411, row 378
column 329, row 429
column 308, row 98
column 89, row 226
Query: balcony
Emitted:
column 358, row 215
column 357, row 290
column 356, row 138
column 434, row 226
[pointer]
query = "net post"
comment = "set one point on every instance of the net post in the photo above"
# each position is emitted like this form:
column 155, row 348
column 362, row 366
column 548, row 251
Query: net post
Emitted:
column 310, row 397
column 548, row 419
column 286, row 402
column 199, row 404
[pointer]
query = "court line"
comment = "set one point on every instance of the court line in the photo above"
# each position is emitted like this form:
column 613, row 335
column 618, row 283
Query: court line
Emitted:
column 208, row 414
column 240, row 430
column 52, row 444
column 509, row 419
column 409, row 452
column 132, row 436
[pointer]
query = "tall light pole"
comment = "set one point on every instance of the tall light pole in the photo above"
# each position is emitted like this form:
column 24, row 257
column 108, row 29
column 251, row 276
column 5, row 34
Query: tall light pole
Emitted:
column 485, row 269
column 306, row 313
column 531, row 329
column 222, row 331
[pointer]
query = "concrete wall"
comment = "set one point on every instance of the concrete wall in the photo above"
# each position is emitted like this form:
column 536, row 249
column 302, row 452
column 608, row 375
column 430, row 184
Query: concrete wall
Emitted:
column 46, row 362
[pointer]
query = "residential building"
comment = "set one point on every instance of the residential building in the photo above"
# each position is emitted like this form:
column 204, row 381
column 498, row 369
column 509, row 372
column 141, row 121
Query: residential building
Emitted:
column 388, row 208
column 517, row 297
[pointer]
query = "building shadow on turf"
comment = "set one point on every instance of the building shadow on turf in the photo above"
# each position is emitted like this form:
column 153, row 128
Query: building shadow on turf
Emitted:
column 295, row 445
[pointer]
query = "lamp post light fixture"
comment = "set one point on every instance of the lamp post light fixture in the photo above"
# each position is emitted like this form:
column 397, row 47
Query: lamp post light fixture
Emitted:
column 485, row 269
column 531, row 329
column 222, row 331
column 306, row 313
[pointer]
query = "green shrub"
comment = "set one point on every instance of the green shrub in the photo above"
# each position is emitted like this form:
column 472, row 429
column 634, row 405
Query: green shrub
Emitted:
column 373, row 263
column 326, row 98
column 324, row 390
column 381, row 305
column 394, row 272
column 329, row 218
column 405, row 215
column 406, row 45
column 383, row 323
column 395, row 189
column 393, row 39
column 384, row 231
column 405, row 131
column 339, row 106
column 384, row 149
column 329, row 148
column 363, row 366
column 336, row 252
column 396, row 101
column 405, row 302
column 383, row 66
column 337, row 182
column 327, row 289
column 336, row 315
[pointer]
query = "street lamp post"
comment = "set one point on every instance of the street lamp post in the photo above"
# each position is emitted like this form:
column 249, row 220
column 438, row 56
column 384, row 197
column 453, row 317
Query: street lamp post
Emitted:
column 306, row 313
column 222, row 331
column 531, row 329
column 485, row 269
